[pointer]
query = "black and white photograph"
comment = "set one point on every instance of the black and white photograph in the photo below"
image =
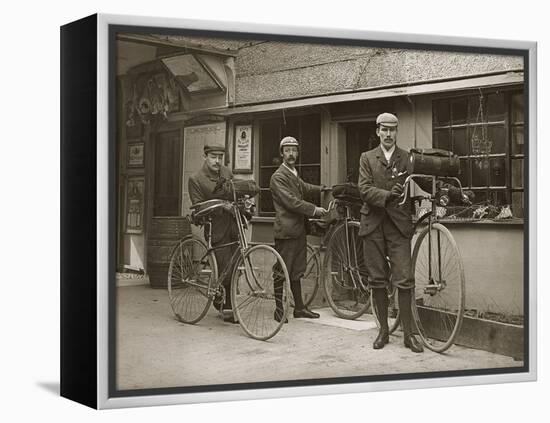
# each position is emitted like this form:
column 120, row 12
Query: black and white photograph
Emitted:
column 266, row 211
column 316, row 211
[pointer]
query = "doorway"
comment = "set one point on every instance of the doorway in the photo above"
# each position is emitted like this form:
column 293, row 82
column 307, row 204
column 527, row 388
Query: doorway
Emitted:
column 360, row 137
column 167, row 189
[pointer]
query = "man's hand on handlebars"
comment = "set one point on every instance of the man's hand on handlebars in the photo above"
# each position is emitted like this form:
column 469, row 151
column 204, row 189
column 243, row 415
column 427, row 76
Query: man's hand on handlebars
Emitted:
column 324, row 188
column 396, row 191
column 320, row 212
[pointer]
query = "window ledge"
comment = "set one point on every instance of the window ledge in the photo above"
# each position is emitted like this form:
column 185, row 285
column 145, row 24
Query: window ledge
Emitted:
column 512, row 221
column 263, row 219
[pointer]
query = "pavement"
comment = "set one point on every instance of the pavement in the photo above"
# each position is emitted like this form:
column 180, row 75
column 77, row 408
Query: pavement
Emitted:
column 154, row 350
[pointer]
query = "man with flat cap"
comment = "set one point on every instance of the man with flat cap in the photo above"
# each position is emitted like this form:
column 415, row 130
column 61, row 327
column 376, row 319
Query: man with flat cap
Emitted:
column 291, row 210
column 207, row 184
column 387, row 229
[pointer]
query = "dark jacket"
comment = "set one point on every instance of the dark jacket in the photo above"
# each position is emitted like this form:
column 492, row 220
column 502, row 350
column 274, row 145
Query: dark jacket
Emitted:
column 291, row 209
column 201, row 188
column 376, row 179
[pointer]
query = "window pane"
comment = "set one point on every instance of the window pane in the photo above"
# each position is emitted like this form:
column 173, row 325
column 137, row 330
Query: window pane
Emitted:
column 265, row 175
column 269, row 141
column 441, row 112
column 496, row 107
column 517, row 204
column 290, row 127
column 473, row 109
column 517, row 173
column 460, row 144
column 517, row 108
column 480, row 173
column 442, row 139
column 464, row 176
column 517, row 140
column 310, row 141
column 459, row 111
column 498, row 172
column 266, row 201
column 498, row 198
column 497, row 136
column 480, row 197
column 310, row 174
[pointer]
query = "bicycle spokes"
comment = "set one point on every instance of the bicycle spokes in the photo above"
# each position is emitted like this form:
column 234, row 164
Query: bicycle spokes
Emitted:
column 439, row 292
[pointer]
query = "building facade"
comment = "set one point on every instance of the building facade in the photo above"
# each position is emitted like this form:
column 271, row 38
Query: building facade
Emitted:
column 175, row 93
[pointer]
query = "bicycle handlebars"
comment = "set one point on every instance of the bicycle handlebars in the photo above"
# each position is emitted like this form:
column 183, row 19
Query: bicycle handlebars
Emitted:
column 433, row 196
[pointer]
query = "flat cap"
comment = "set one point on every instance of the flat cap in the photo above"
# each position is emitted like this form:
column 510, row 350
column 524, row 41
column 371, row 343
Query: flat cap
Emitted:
column 211, row 147
column 387, row 119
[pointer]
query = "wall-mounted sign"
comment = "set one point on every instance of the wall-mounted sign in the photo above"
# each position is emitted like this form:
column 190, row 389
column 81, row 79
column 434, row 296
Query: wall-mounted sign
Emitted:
column 135, row 154
column 243, row 149
column 135, row 190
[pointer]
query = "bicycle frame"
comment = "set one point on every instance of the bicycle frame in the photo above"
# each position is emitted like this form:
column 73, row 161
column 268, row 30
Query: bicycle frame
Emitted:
column 241, row 224
column 431, row 217
column 345, row 219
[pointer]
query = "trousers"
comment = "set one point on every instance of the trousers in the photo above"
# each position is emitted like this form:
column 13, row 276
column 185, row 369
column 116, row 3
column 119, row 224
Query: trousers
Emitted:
column 294, row 253
column 383, row 243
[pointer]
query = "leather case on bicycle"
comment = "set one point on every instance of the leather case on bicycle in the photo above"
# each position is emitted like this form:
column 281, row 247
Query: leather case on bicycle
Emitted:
column 347, row 192
column 242, row 187
column 433, row 161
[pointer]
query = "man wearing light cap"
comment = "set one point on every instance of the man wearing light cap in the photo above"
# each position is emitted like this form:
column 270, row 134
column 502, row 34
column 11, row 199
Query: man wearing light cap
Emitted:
column 207, row 184
column 291, row 210
column 387, row 229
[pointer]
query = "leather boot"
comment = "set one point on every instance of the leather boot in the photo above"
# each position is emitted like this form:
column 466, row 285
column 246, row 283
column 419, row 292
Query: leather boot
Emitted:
column 405, row 308
column 380, row 299
column 296, row 288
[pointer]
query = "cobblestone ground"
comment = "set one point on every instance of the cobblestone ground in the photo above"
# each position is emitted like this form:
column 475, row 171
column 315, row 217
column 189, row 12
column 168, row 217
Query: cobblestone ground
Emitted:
column 154, row 350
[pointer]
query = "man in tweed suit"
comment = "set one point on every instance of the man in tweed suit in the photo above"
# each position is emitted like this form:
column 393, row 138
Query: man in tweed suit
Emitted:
column 291, row 210
column 387, row 228
column 206, row 185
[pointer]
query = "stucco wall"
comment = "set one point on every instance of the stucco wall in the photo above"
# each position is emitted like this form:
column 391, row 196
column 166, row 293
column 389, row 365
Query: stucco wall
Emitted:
column 274, row 71
column 493, row 265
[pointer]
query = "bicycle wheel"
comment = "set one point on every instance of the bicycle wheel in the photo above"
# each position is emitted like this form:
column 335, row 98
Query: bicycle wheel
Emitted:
column 344, row 273
column 257, row 299
column 438, row 303
column 312, row 277
column 393, row 310
column 191, row 274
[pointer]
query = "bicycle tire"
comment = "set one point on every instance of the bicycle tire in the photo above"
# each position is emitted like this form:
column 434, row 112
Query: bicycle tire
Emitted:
column 192, row 273
column 438, row 308
column 253, row 292
column 342, row 278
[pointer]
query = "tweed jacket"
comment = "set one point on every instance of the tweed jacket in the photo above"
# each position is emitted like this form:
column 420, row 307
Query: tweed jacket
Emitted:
column 291, row 210
column 377, row 176
column 201, row 186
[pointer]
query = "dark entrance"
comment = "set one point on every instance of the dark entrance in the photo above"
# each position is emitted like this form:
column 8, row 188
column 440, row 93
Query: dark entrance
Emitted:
column 167, row 225
column 360, row 137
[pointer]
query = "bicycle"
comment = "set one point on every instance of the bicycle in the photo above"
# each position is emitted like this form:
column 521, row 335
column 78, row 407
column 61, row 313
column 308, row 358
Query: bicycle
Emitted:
column 438, row 302
column 344, row 274
column 194, row 283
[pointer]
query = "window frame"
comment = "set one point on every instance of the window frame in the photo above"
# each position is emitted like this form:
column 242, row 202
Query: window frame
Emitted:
column 491, row 191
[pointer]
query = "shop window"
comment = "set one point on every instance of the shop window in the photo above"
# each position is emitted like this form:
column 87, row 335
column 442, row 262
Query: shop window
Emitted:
column 486, row 130
column 307, row 130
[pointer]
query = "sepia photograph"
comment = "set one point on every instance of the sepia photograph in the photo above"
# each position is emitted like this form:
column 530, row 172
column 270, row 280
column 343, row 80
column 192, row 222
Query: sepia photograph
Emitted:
column 297, row 210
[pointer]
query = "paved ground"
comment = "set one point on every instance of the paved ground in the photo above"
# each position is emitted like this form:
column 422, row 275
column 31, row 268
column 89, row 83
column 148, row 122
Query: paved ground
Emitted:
column 154, row 350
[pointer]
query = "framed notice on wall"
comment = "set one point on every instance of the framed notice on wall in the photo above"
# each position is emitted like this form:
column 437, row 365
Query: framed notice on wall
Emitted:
column 136, row 154
column 242, row 149
column 134, row 204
